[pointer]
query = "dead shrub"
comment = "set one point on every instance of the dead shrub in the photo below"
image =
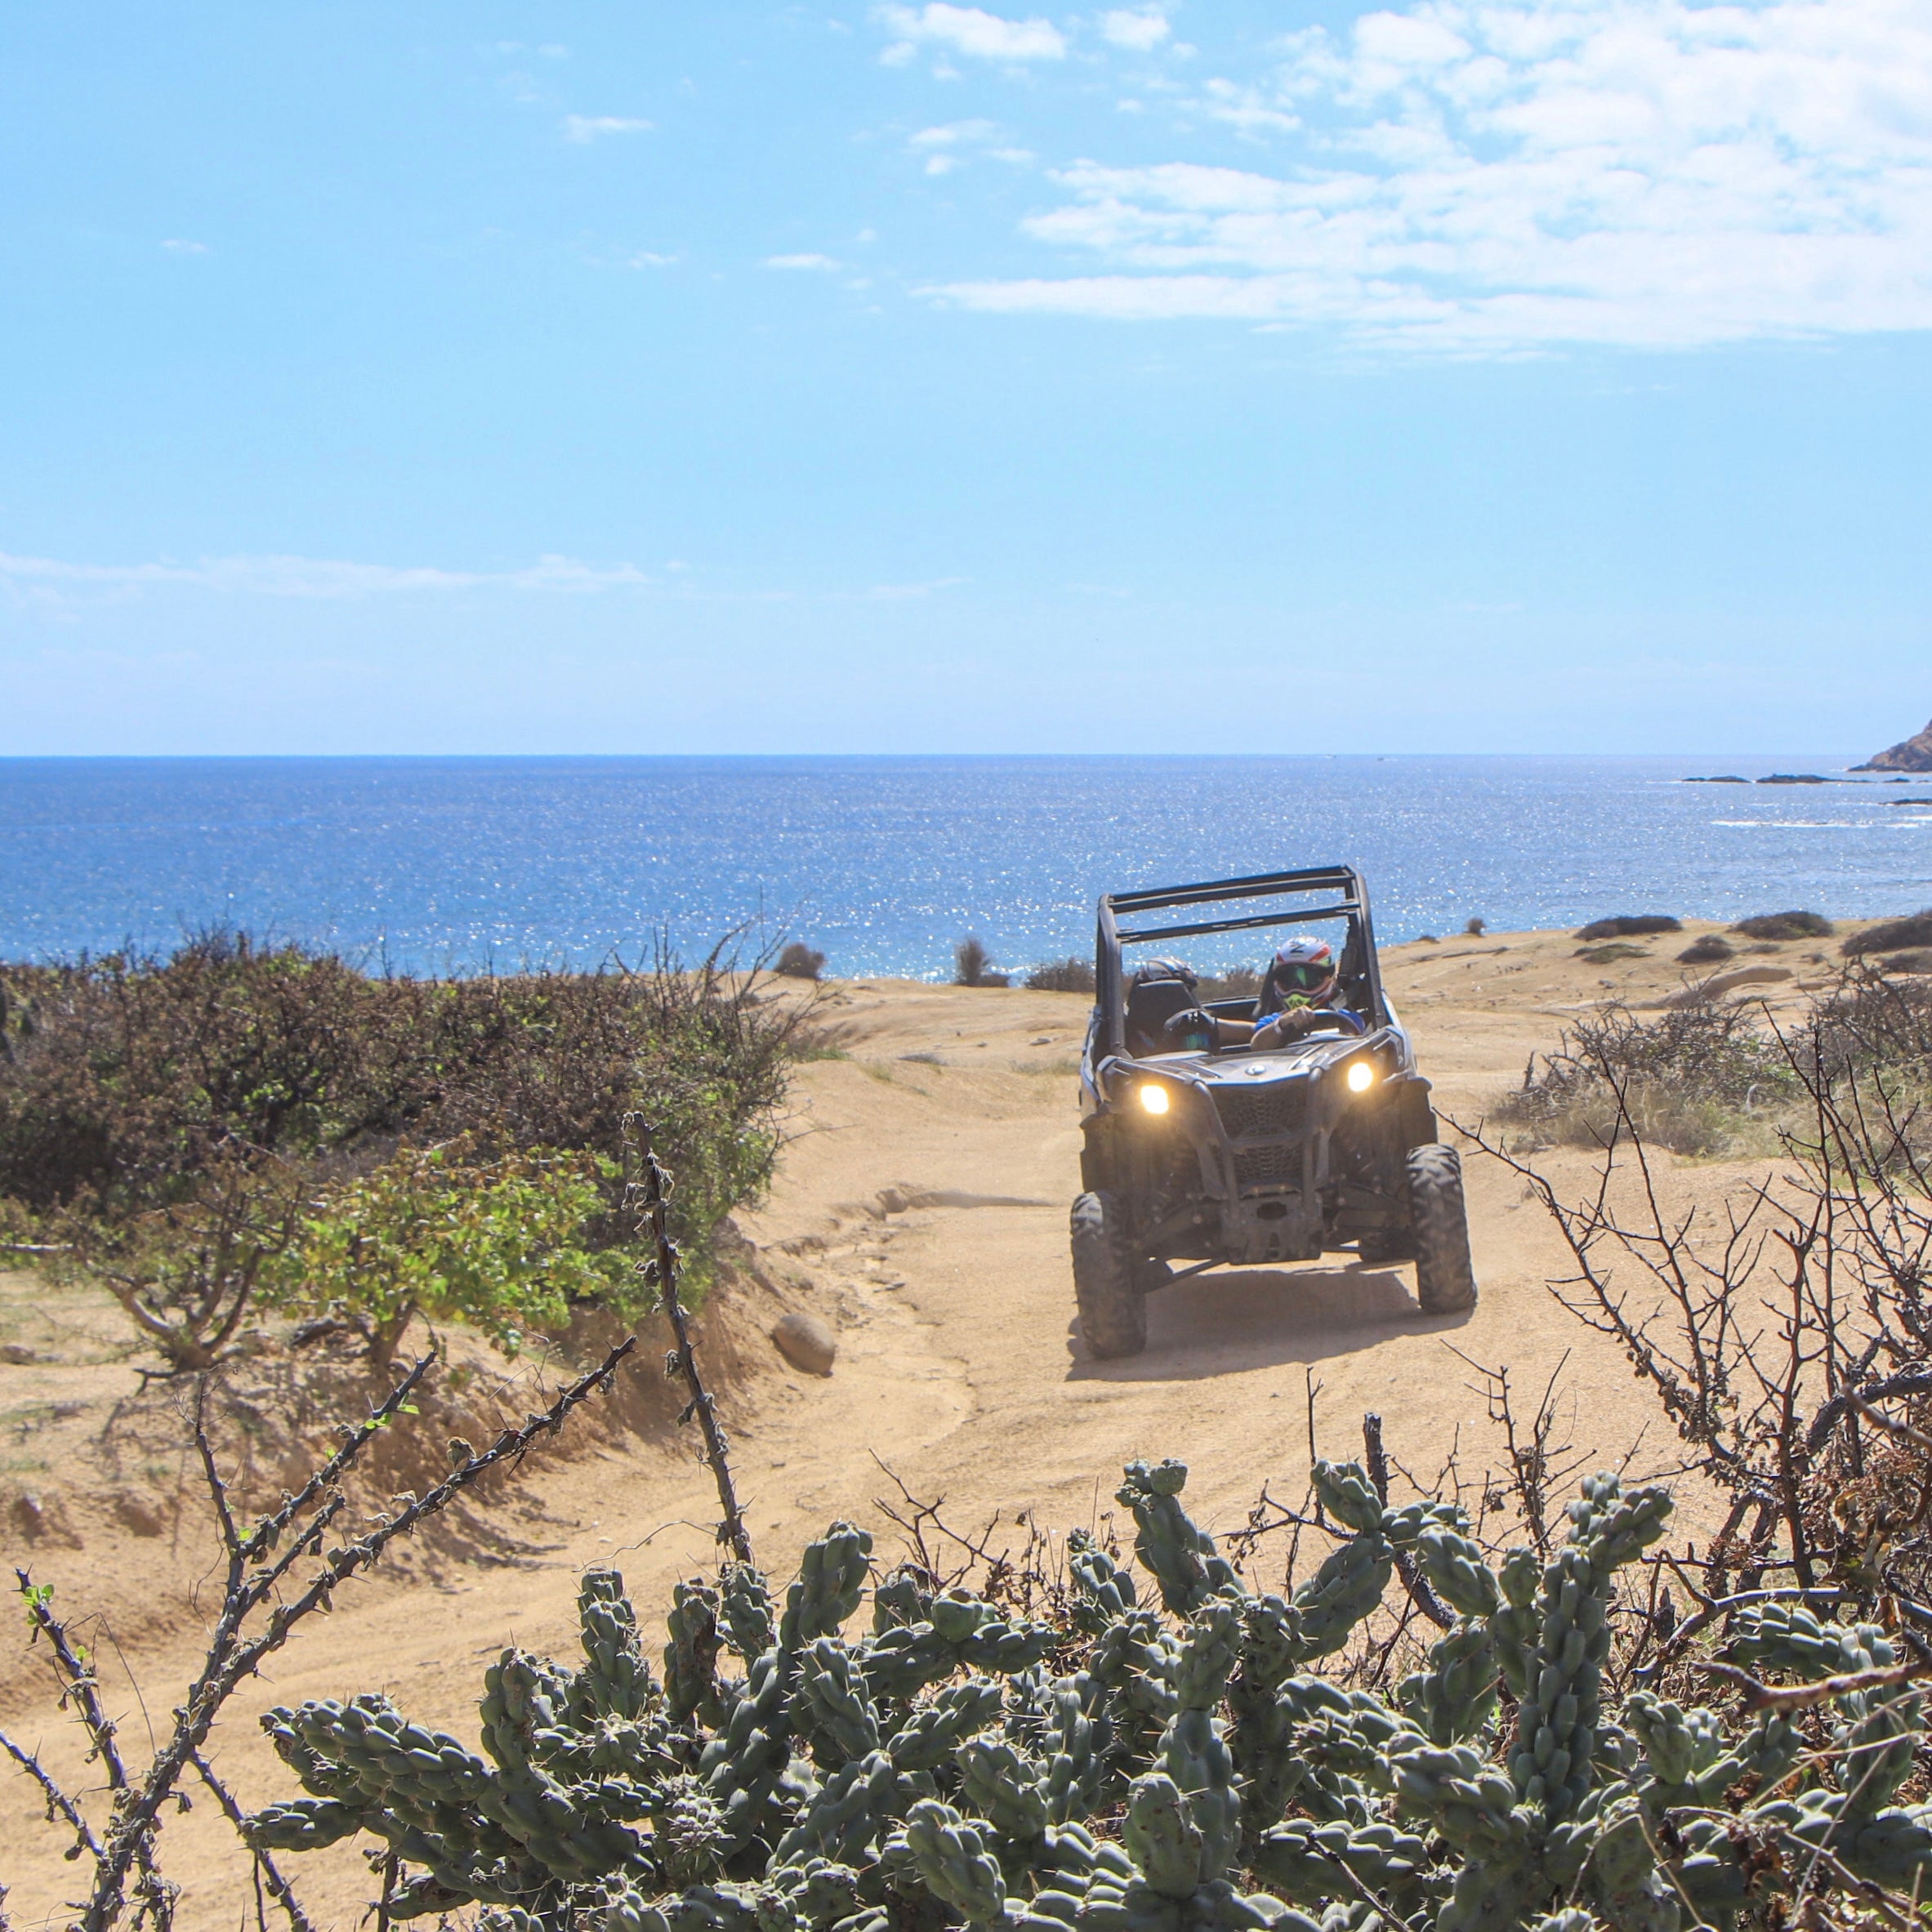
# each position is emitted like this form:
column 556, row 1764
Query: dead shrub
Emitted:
column 1702, row 1080
column 1785, row 926
column 1890, row 935
column 1707, row 951
column 800, row 962
column 1625, row 926
column 1071, row 975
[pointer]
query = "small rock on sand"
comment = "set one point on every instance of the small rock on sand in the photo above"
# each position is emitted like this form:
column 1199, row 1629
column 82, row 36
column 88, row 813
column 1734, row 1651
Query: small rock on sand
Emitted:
column 805, row 1342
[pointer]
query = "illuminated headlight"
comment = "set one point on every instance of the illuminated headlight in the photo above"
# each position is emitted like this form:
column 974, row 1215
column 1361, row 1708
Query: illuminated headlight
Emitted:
column 1153, row 1098
column 1361, row 1077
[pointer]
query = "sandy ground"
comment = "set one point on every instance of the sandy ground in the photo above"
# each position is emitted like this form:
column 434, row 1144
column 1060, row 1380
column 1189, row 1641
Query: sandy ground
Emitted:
column 921, row 1211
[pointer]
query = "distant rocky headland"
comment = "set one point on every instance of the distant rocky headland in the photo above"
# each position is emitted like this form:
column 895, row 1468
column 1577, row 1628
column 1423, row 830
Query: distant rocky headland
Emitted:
column 1912, row 754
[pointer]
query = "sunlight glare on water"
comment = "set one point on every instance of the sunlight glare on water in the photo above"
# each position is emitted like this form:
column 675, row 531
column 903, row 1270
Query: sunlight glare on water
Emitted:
column 458, row 865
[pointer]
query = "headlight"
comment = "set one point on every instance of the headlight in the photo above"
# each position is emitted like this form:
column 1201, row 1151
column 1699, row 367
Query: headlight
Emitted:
column 1154, row 1098
column 1361, row 1077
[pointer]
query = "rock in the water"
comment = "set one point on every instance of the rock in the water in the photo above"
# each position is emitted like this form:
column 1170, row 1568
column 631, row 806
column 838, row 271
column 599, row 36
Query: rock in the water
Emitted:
column 1911, row 754
column 805, row 1342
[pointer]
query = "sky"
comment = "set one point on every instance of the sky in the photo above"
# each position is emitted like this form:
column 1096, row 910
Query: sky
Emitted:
column 1470, row 375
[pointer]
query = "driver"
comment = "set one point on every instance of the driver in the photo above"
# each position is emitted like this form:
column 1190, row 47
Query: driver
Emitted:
column 1298, row 997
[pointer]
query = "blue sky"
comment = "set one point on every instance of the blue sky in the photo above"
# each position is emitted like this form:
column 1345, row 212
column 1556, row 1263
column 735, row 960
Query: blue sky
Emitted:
column 1478, row 374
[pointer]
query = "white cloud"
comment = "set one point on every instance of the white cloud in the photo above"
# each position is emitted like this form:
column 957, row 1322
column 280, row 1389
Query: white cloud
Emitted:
column 941, row 145
column 953, row 132
column 1499, row 174
column 896, row 593
column 805, row 261
column 644, row 258
column 585, row 128
column 968, row 30
column 175, row 246
column 304, row 577
column 1140, row 29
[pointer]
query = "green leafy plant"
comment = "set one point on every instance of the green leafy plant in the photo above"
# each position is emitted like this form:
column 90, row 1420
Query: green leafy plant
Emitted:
column 500, row 1243
column 1173, row 1769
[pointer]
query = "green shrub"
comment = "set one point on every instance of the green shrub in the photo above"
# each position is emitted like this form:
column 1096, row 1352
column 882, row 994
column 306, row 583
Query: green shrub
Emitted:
column 1890, row 935
column 501, row 1244
column 961, row 1764
column 1610, row 954
column 1629, row 925
column 1785, row 926
column 1072, row 975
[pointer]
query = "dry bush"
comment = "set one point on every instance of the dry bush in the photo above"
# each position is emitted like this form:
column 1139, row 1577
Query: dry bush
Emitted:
column 800, row 962
column 1700, row 1080
column 1237, row 982
column 1071, row 975
column 972, row 965
column 1707, row 951
column 1785, row 926
column 1890, row 935
column 1787, row 1334
column 1625, row 926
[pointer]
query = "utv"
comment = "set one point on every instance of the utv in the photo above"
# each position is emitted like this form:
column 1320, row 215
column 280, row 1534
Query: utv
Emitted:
column 1198, row 1157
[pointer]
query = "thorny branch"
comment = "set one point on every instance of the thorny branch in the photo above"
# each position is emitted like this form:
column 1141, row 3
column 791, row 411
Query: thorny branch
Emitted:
column 237, row 1648
column 661, row 1269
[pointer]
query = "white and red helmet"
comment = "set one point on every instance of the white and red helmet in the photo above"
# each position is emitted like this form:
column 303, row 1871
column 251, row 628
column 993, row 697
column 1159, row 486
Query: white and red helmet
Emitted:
column 1305, row 967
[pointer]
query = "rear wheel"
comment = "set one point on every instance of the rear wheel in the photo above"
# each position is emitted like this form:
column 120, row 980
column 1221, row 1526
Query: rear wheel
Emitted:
column 1113, row 1311
column 1445, row 1276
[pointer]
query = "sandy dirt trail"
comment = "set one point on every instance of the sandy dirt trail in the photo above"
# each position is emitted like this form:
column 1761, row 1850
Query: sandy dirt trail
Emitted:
column 921, row 1211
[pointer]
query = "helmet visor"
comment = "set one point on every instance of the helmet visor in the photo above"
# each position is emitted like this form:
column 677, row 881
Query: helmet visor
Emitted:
column 1304, row 975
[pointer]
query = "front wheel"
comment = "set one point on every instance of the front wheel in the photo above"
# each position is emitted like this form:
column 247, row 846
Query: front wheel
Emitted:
column 1113, row 1310
column 1445, row 1276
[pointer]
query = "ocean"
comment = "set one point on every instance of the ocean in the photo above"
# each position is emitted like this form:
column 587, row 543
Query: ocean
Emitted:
column 469, row 864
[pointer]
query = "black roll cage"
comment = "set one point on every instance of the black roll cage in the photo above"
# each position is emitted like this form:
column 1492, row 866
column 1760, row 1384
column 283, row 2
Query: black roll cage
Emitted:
column 1359, row 964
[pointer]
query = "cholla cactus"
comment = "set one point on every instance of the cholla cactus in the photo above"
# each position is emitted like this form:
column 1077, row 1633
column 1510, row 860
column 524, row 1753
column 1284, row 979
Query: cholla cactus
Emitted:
column 1133, row 1771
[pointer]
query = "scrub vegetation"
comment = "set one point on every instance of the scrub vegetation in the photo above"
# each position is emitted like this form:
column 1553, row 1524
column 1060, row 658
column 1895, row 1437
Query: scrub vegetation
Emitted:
column 243, row 1126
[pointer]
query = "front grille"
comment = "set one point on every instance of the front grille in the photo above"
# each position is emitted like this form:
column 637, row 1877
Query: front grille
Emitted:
column 1248, row 1112
column 1273, row 1163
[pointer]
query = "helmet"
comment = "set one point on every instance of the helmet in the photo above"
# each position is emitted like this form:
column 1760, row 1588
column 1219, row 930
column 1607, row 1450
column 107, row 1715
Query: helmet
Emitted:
column 1304, row 969
column 1162, row 969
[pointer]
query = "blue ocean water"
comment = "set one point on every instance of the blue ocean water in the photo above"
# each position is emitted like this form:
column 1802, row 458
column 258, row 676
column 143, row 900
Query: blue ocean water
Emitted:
column 460, row 863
